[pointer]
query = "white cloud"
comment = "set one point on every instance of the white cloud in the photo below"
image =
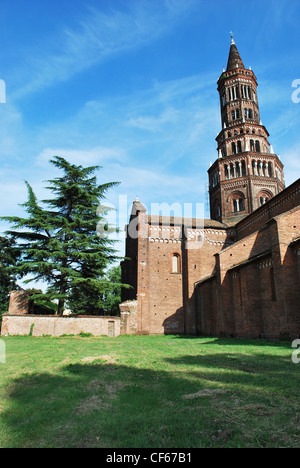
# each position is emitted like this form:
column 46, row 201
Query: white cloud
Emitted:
column 155, row 123
column 11, row 195
column 99, row 36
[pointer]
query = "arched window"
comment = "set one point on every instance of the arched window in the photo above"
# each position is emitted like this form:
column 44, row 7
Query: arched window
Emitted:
column 237, row 201
column 233, row 148
column 259, row 169
column 252, row 146
column 264, row 196
column 264, row 200
column 250, row 114
column 238, row 205
column 257, row 146
column 270, row 169
column 243, row 168
column 239, row 146
column 176, row 263
column 265, row 169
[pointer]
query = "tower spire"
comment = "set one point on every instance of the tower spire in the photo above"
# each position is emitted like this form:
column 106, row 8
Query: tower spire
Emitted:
column 234, row 60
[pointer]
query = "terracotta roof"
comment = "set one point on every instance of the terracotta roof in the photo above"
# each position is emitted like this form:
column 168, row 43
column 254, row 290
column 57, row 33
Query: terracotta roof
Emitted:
column 234, row 60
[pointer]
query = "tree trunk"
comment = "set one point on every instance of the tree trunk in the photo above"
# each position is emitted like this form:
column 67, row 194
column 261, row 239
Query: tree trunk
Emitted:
column 61, row 302
column 61, row 307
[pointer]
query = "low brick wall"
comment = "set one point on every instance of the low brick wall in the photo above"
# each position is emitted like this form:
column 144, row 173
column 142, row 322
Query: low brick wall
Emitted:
column 58, row 326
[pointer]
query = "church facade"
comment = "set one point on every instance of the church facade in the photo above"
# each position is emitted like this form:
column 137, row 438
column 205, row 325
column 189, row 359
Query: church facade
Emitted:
column 238, row 273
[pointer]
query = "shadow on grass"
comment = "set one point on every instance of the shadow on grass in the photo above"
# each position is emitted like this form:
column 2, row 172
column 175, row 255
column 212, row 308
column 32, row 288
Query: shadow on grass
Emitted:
column 97, row 405
column 263, row 372
column 116, row 406
column 236, row 341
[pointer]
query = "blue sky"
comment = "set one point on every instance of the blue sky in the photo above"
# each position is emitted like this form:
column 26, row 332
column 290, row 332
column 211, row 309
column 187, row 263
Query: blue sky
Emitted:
column 131, row 85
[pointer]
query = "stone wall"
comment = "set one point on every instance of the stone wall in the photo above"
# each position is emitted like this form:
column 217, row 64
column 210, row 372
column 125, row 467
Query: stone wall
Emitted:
column 58, row 326
column 128, row 311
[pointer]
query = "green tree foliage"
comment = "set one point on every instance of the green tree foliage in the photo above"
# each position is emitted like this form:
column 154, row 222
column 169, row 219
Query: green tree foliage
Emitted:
column 9, row 254
column 112, row 296
column 59, row 241
column 87, row 300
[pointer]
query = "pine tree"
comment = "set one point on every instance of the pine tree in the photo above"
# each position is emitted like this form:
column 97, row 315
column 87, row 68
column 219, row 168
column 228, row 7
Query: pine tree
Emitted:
column 9, row 255
column 112, row 296
column 59, row 241
column 89, row 299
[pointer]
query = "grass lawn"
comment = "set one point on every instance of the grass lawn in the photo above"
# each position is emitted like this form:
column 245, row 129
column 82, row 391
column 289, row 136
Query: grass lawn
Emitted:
column 148, row 392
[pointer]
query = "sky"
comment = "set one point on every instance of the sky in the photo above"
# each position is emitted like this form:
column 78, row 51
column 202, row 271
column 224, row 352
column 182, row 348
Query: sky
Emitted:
column 130, row 85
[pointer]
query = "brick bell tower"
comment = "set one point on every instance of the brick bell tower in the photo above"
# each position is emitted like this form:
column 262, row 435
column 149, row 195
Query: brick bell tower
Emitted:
column 247, row 173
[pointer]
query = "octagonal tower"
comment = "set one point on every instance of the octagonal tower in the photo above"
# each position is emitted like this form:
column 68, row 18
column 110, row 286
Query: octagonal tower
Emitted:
column 247, row 173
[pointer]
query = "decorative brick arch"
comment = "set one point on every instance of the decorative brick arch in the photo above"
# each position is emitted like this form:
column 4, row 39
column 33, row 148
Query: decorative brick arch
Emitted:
column 264, row 196
column 236, row 201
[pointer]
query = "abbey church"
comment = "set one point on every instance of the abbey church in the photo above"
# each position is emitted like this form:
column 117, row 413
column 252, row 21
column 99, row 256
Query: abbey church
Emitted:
column 238, row 273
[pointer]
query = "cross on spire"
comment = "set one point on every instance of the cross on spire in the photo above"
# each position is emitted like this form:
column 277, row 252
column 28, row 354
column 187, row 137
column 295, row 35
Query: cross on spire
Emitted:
column 232, row 40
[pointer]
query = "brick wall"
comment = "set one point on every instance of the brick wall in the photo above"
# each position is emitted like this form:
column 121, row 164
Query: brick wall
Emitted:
column 255, row 291
column 200, row 250
column 166, row 302
column 250, row 273
column 128, row 312
column 165, row 287
column 283, row 202
column 19, row 303
column 206, row 303
column 58, row 326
